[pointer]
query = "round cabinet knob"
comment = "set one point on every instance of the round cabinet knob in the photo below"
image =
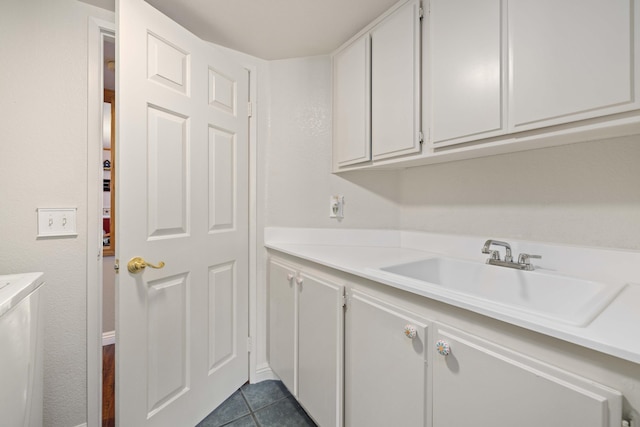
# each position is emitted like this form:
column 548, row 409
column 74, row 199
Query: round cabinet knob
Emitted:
column 290, row 276
column 443, row 347
column 299, row 280
column 410, row 331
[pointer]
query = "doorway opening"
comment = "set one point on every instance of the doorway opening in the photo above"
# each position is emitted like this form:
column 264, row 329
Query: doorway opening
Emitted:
column 108, row 148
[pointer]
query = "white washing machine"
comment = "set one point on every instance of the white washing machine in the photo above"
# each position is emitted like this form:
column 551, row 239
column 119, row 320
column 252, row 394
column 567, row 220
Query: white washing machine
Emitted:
column 21, row 350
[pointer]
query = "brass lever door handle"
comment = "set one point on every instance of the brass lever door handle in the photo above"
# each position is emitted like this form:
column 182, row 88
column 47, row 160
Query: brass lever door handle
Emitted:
column 137, row 264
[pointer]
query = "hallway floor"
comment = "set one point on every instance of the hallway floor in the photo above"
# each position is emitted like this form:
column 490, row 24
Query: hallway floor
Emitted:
column 265, row 404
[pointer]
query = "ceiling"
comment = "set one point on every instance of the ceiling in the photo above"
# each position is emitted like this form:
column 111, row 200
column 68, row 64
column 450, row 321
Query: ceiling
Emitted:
column 271, row 29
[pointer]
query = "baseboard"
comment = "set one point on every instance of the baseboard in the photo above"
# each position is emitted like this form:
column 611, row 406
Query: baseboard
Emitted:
column 108, row 338
column 263, row 373
column 82, row 425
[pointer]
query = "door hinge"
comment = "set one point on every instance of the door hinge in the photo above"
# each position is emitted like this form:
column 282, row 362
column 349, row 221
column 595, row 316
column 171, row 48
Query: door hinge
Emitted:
column 116, row 266
column 249, row 345
column 249, row 109
column 421, row 12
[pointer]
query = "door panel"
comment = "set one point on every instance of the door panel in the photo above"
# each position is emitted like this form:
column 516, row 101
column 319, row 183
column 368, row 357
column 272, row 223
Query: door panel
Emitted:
column 167, row 341
column 167, row 189
column 183, row 197
column 222, row 159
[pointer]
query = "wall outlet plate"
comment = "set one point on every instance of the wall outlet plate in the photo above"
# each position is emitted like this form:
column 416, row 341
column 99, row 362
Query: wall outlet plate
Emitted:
column 336, row 207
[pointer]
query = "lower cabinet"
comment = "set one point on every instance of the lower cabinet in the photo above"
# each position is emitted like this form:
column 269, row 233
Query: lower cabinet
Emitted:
column 306, row 315
column 385, row 364
column 398, row 368
column 476, row 382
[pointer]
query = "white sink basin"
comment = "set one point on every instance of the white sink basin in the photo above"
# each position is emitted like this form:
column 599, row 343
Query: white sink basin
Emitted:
column 551, row 295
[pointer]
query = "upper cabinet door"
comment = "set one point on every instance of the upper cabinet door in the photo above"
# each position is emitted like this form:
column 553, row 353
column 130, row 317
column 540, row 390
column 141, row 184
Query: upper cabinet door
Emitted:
column 466, row 70
column 571, row 60
column 395, row 83
column 351, row 105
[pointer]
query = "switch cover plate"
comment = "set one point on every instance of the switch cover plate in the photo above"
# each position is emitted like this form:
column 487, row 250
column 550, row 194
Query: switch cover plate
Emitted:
column 57, row 222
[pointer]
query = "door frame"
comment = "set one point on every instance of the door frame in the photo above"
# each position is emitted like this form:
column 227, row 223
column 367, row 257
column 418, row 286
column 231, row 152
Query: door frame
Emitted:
column 97, row 30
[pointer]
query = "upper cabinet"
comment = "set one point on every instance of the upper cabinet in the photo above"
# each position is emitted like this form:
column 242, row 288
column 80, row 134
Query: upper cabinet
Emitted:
column 395, row 83
column 467, row 70
column 376, row 90
column 499, row 76
column 570, row 60
column 351, row 103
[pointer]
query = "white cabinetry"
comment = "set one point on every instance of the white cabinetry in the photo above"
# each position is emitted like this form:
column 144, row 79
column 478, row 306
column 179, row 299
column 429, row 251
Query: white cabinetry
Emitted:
column 306, row 329
column 397, row 367
column 571, row 60
column 351, row 103
column 385, row 371
column 481, row 383
column 395, row 83
column 282, row 323
column 376, row 90
column 467, row 70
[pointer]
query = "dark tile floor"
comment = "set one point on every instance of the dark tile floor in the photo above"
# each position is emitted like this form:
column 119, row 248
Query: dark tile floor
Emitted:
column 265, row 404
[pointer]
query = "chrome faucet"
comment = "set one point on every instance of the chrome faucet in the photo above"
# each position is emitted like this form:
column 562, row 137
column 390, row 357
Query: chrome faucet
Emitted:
column 495, row 255
column 524, row 260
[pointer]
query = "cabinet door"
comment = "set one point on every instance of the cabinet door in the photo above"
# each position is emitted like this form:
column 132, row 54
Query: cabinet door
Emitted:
column 385, row 371
column 320, row 349
column 395, row 83
column 282, row 323
column 351, row 104
column 466, row 70
column 571, row 60
column 482, row 384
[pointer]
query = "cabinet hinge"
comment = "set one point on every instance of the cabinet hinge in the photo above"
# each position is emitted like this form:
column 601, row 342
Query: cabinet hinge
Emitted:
column 249, row 345
column 421, row 12
column 249, row 109
column 420, row 137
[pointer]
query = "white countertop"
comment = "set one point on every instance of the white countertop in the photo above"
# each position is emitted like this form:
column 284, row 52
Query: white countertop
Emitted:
column 615, row 331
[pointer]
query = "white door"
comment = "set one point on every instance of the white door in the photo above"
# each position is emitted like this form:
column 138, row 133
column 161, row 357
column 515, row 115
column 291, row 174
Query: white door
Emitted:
column 183, row 200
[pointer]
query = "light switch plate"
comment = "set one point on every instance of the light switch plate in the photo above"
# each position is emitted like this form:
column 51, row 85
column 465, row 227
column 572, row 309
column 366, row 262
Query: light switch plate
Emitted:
column 57, row 222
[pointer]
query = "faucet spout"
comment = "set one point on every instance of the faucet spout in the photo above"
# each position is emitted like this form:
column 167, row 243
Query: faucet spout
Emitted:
column 486, row 249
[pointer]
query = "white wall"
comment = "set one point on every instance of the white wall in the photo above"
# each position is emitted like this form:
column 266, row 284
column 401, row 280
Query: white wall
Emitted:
column 583, row 194
column 43, row 163
column 298, row 159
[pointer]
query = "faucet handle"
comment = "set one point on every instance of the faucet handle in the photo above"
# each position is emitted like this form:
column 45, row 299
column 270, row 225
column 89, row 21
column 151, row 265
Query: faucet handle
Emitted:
column 524, row 259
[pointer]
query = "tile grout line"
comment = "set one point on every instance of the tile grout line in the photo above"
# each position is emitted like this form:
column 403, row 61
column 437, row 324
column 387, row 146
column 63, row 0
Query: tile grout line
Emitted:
column 253, row 416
